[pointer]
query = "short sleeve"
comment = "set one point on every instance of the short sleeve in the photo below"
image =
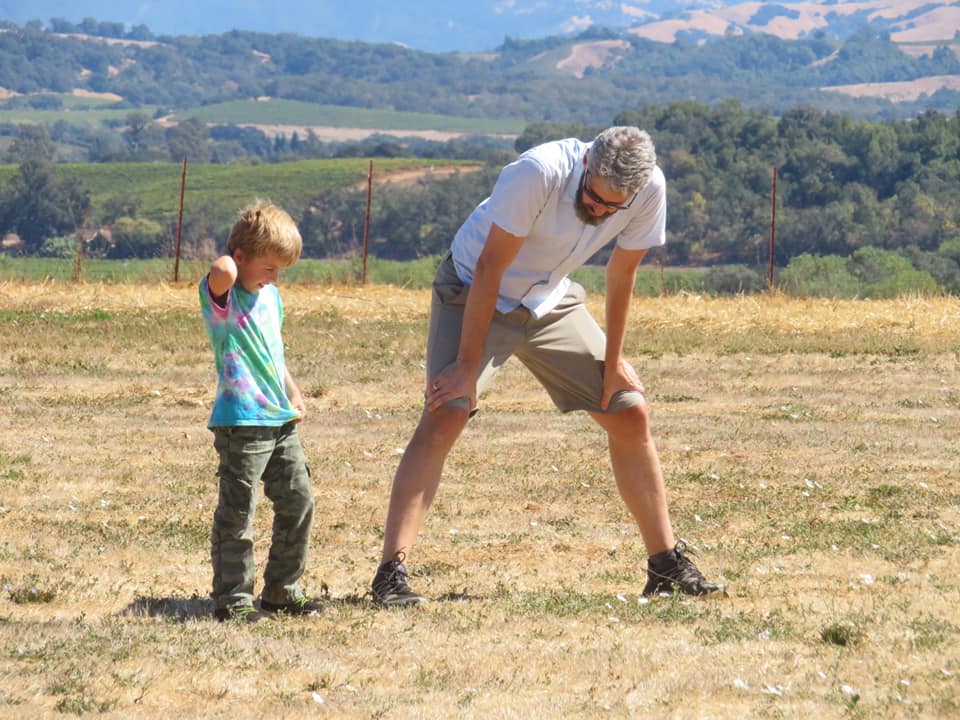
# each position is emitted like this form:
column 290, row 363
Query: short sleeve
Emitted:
column 520, row 193
column 648, row 226
column 212, row 312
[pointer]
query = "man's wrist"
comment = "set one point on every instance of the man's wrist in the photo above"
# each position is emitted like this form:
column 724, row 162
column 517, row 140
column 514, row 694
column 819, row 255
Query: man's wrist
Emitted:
column 467, row 362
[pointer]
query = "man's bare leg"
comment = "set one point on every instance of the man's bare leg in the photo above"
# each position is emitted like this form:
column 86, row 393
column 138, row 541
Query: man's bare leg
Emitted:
column 418, row 476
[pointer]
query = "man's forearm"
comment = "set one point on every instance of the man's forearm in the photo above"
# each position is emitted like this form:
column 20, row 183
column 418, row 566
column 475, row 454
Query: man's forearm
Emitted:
column 481, row 303
column 619, row 294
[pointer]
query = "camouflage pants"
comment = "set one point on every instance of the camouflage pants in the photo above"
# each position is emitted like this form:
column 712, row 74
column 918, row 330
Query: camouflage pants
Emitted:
column 247, row 456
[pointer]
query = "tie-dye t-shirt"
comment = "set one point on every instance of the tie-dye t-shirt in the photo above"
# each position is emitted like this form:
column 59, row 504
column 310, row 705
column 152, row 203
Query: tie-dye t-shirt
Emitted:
column 248, row 349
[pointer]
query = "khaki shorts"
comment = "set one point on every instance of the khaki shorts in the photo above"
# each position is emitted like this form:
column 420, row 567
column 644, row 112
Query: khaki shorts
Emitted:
column 564, row 349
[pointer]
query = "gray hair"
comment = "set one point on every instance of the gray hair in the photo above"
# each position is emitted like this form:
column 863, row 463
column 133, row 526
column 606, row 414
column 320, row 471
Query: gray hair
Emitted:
column 624, row 156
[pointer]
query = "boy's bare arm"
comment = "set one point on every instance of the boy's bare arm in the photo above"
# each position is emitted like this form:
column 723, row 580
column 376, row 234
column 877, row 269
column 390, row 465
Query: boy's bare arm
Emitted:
column 293, row 392
column 222, row 276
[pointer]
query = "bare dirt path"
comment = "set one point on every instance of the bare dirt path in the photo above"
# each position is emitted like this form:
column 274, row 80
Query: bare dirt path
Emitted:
column 409, row 176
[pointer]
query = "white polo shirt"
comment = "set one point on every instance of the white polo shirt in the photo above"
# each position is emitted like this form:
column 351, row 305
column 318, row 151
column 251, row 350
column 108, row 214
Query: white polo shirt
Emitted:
column 534, row 199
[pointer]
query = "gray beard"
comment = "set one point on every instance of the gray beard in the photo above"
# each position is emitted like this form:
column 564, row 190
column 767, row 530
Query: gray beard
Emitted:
column 584, row 214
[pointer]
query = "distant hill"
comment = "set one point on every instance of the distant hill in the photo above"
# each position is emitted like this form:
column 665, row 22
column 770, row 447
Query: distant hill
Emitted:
column 66, row 72
column 906, row 21
column 443, row 26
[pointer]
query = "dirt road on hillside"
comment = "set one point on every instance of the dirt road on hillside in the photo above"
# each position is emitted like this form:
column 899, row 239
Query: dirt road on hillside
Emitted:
column 401, row 177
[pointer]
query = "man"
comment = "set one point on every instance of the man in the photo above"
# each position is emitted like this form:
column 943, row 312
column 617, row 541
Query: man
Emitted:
column 503, row 290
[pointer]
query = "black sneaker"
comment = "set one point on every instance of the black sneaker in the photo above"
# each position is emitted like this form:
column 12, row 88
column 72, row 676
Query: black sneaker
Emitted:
column 301, row 608
column 240, row 613
column 390, row 587
column 672, row 569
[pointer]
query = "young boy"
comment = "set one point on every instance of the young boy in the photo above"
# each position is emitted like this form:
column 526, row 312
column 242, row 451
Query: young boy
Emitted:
column 254, row 420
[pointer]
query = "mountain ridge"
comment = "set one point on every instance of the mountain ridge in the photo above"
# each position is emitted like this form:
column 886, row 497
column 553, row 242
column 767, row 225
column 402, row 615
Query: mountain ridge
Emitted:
column 440, row 26
column 589, row 78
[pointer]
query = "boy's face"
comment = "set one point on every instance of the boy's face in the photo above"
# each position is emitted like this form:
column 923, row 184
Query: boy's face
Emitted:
column 253, row 272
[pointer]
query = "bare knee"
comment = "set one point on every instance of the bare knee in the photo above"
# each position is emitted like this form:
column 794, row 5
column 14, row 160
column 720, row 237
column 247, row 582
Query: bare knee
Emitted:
column 441, row 427
column 632, row 422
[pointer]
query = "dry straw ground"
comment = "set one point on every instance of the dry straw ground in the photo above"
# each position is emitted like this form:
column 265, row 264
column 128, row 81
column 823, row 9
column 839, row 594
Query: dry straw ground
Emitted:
column 811, row 454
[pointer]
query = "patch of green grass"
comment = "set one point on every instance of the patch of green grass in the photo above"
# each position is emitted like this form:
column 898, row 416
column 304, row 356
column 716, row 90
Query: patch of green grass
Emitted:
column 668, row 398
column 53, row 317
column 930, row 632
column 30, row 593
column 82, row 113
column 796, row 412
column 81, row 703
column 9, row 466
column 434, row 569
column 743, row 626
column 625, row 608
column 651, row 281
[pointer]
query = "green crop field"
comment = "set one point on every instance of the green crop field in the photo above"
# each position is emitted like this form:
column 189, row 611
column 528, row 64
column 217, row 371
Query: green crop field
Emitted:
column 292, row 112
column 76, row 111
column 223, row 187
column 94, row 111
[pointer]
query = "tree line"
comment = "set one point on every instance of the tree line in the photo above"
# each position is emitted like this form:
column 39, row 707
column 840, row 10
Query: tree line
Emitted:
column 846, row 188
column 141, row 138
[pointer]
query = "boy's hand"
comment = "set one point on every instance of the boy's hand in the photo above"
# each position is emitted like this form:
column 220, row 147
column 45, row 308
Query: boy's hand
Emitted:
column 296, row 399
column 294, row 395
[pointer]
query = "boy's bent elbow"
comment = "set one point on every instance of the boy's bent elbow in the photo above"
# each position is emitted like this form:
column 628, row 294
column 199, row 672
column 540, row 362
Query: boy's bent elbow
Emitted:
column 223, row 275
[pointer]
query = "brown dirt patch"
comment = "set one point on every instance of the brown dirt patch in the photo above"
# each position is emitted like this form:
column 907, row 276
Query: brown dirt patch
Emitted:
column 80, row 92
column 899, row 91
column 407, row 177
column 327, row 133
column 602, row 53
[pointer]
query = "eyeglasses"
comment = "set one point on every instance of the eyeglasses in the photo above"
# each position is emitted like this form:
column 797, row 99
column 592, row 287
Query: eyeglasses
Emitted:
column 613, row 207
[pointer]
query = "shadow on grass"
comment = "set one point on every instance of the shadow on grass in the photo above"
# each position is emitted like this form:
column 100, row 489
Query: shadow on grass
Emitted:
column 172, row 608
column 366, row 600
column 199, row 608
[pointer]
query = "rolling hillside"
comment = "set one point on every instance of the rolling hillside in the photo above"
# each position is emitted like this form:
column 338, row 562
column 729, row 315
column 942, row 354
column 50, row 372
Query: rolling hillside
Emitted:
column 442, row 26
column 589, row 78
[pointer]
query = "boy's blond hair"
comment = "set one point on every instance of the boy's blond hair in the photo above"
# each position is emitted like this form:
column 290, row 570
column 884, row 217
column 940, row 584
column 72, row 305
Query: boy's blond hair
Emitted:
column 264, row 228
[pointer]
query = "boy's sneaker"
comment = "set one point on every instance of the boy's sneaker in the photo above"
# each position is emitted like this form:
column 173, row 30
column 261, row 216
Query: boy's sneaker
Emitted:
column 240, row 613
column 672, row 569
column 390, row 587
column 301, row 608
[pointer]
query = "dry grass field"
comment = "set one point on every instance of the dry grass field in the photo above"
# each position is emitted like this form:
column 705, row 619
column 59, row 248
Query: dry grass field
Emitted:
column 811, row 456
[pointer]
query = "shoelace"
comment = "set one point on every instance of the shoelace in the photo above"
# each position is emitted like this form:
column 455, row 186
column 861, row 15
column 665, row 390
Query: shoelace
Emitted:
column 398, row 577
column 684, row 566
column 394, row 578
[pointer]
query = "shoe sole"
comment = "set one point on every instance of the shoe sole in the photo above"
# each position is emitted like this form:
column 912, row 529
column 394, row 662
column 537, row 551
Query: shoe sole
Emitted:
column 401, row 602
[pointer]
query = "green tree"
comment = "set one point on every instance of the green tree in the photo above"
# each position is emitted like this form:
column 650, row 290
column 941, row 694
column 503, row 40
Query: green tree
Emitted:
column 732, row 279
column 950, row 249
column 32, row 142
column 818, row 276
column 884, row 274
column 38, row 205
column 135, row 237
column 124, row 204
column 189, row 139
